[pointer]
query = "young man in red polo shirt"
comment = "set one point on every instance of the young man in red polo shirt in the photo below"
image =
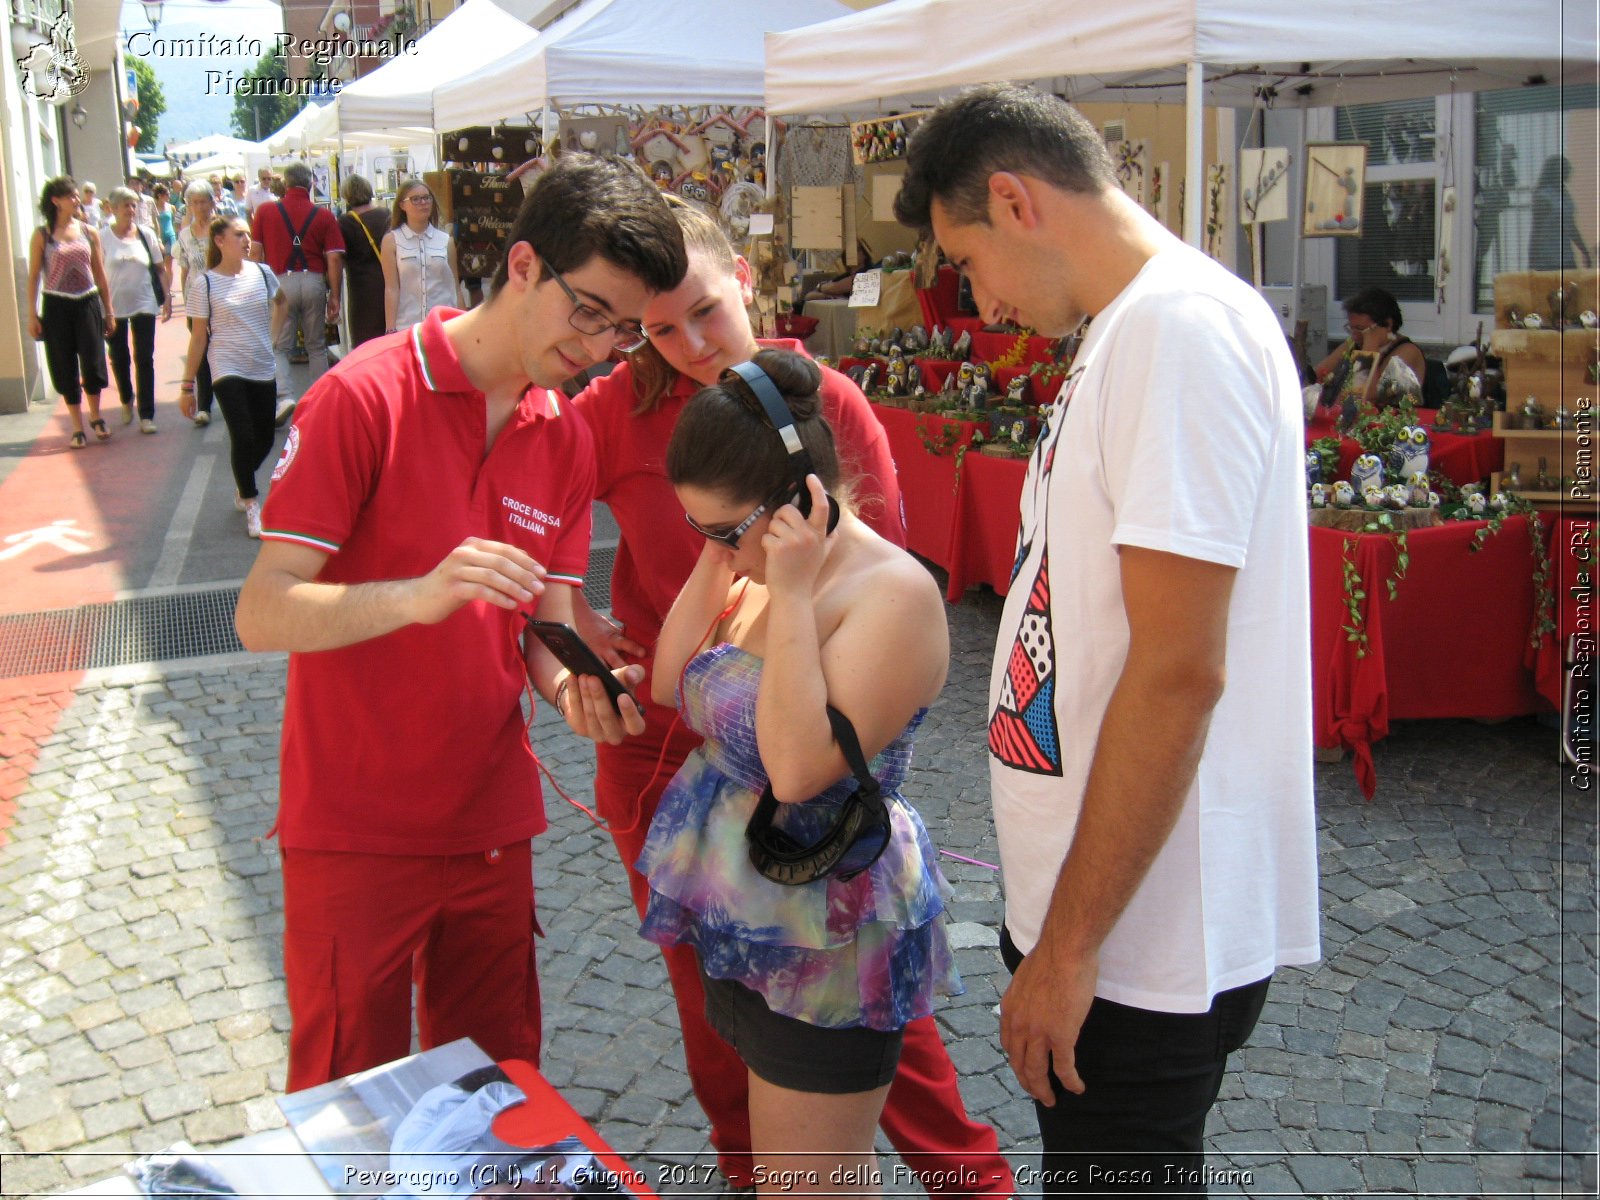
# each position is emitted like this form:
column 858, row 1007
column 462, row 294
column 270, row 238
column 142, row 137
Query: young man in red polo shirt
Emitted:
column 427, row 494
column 301, row 242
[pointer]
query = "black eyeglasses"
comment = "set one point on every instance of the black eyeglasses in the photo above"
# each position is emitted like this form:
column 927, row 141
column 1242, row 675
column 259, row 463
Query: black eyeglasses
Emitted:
column 626, row 336
column 730, row 537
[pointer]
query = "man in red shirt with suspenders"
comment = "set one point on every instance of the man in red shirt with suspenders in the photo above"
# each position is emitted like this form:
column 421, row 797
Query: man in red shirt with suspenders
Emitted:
column 301, row 242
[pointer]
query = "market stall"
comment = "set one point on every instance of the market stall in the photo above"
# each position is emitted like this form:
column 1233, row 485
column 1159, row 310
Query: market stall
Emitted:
column 629, row 52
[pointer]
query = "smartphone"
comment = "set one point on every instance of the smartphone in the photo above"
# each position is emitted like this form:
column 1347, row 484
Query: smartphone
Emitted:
column 573, row 653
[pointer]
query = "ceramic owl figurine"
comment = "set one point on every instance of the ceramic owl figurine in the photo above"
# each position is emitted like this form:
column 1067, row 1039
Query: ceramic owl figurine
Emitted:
column 1396, row 495
column 1419, row 489
column 1372, row 496
column 964, row 376
column 1319, row 495
column 981, row 374
column 1498, row 502
column 1476, row 504
column 1366, row 472
column 1015, row 390
column 1313, row 468
column 895, row 353
column 1411, row 452
column 869, row 377
column 1435, row 500
column 1344, row 496
column 894, row 380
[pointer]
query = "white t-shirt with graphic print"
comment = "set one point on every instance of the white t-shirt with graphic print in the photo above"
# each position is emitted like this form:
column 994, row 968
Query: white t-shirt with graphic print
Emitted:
column 1182, row 434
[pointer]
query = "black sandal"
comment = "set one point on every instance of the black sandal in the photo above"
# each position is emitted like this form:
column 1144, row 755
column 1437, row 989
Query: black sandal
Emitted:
column 78, row 441
column 101, row 433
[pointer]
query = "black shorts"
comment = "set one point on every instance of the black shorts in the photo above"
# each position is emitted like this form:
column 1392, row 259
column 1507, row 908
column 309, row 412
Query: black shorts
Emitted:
column 794, row 1054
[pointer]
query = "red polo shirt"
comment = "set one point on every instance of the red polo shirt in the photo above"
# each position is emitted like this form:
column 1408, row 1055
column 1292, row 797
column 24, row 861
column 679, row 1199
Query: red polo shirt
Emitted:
column 659, row 549
column 413, row 742
column 277, row 241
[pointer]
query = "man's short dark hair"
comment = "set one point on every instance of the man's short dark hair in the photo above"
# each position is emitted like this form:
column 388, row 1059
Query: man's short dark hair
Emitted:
column 997, row 127
column 589, row 204
column 1378, row 304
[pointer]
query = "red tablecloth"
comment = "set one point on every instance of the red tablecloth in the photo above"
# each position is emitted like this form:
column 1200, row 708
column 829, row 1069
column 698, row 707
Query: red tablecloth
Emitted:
column 1454, row 642
column 983, row 536
column 1573, row 551
column 927, row 480
column 1462, row 458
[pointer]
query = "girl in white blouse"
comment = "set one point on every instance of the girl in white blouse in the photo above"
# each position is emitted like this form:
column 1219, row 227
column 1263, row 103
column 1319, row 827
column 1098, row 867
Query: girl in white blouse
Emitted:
column 419, row 259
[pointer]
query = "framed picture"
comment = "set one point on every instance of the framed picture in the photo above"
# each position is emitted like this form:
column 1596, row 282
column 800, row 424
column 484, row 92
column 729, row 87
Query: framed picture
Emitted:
column 1336, row 173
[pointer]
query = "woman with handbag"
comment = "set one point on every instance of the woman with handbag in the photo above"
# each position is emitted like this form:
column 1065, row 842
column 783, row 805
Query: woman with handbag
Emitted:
column 64, row 260
column 235, row 309
column 140, row 272
column 695, row 332
column 364, row 225
column 801, row 645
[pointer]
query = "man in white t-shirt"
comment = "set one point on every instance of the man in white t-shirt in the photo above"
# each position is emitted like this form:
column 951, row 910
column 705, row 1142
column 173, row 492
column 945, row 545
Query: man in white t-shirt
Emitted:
column 1150, row 706
column 261, row 193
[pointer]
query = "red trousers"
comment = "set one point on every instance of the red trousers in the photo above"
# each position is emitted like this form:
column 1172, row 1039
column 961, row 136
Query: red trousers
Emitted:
column 924, row 1115
column 360, row 929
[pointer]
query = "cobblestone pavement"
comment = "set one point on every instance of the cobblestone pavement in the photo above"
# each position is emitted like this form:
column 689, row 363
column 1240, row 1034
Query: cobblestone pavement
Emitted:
column 1446, row 1045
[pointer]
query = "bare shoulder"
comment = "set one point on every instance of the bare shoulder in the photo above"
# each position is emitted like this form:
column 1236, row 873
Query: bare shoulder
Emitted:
column 888, row 583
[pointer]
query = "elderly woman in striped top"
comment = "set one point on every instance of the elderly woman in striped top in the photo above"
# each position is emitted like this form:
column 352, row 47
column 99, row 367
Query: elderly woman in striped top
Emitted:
column 235, row 308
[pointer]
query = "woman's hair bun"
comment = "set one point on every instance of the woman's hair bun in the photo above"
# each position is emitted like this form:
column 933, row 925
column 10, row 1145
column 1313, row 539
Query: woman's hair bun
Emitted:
column 796, row 376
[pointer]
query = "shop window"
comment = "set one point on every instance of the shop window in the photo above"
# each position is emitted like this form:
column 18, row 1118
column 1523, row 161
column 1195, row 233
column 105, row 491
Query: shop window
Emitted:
column 1524, row 216
column 1396, row 131
column 1398, row 248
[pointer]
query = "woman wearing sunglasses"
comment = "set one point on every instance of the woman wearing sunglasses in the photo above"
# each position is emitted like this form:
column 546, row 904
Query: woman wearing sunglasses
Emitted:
column 419, row 259
column 811, row 983
column 697, row 331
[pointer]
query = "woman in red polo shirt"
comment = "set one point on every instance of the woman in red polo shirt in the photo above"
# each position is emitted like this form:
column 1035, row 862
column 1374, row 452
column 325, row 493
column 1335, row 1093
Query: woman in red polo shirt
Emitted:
column 696, row 332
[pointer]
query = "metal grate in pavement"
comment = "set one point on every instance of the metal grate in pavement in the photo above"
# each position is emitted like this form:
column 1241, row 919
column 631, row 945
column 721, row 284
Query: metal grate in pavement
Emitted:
column 161, row 628
column 142, row 629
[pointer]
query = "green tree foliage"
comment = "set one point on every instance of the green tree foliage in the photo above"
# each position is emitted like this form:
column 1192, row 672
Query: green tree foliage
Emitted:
column 256, row 116
column 152, row 103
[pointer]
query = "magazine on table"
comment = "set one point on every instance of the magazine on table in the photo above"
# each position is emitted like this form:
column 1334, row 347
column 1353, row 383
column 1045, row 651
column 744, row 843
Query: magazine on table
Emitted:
column 452, row 1122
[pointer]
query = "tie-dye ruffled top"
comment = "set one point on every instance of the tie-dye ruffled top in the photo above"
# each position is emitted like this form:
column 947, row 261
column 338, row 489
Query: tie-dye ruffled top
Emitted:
column 869, row 951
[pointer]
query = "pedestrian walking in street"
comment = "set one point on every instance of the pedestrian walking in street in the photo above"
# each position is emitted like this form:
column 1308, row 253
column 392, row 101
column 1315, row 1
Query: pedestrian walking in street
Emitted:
column 166, row 216
column 363, row 226
column 301, row 242
column 802, row 647
column 1150, row 705
column 697, row 331
column 432, row 493
column 192, row 241
column 233, row 309
column 64, row 259
column 419, row 259
column 89, row 206
column 140, row 272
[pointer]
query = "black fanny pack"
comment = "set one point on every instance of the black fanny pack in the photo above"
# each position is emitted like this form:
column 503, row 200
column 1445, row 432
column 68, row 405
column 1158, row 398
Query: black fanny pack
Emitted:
column 853, row 843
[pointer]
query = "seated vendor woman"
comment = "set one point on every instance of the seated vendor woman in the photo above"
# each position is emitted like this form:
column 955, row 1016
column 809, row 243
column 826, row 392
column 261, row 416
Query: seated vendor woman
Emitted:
column 1356, row 367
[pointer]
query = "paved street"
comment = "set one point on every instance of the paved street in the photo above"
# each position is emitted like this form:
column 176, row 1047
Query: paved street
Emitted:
column 1447, row 1045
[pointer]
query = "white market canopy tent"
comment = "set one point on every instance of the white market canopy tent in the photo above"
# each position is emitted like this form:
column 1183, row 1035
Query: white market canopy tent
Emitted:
column 919, row 49
column 399, row 94
column 228, row 163
column 632, row 52
column 1216, row 51
column 215, row 144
